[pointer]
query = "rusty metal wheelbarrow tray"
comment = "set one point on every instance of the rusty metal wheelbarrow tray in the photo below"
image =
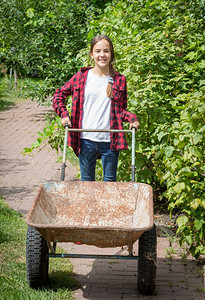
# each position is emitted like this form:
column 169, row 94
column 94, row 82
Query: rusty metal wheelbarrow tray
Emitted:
column 94, row 213
column 104, row 214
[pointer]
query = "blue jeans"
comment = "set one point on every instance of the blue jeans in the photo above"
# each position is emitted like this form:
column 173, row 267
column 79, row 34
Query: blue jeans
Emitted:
column 88, row 157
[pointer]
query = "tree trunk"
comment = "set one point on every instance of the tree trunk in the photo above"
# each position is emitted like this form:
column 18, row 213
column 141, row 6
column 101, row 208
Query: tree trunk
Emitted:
column 10, row 79
column 15, row 78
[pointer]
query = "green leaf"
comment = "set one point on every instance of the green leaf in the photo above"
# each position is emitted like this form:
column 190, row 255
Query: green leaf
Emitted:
column 169, row 151
column 202, row 64
column 161, row 135
column 176, row 141
column 180, row 200
column 30, row 12
column 179, row 163
column 179, row 187
column 182, row 221
column 197, row 138
column 157, row 154
column 194, row 151
column 186, row 171
column 199, row 224
column 166, row 176
column 191, row 55
column 195, row 203
column 189, row 239
column 27, row 151
column 202, row 82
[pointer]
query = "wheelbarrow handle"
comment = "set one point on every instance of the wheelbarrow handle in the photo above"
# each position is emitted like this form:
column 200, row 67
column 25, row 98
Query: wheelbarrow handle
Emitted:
column 97, row 130
column 64, row 153
column 133, row 154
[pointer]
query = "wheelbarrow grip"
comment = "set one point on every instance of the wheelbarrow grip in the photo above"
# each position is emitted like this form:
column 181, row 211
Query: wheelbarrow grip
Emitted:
column 64, row 153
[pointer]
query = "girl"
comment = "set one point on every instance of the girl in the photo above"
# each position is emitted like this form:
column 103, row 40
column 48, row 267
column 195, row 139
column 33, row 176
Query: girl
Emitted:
column 99, row 101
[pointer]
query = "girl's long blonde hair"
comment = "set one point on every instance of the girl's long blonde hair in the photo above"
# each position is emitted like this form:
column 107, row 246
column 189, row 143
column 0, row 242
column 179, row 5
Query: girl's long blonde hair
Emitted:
column 96, row 39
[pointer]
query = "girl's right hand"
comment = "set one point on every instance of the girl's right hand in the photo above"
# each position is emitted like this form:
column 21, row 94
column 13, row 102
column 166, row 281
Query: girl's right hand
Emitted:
column 65, row 121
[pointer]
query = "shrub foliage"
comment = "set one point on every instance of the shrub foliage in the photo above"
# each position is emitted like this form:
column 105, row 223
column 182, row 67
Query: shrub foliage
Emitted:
column 160, row 47
column 42, row 38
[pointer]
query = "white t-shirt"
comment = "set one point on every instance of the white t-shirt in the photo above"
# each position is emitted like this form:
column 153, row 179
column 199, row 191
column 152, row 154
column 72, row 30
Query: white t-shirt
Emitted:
column 96, row 108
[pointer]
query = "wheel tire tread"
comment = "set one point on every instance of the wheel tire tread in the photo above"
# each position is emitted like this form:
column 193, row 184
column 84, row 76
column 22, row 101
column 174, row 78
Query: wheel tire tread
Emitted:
column 36, row 259
column 147, row 262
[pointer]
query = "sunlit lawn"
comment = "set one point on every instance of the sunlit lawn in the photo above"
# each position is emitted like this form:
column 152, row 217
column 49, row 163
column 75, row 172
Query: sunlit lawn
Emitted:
column 13, row 278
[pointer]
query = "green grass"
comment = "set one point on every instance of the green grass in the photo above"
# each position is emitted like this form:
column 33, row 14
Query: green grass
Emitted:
column 13, row 278
column 8, row 97
column 12, row 96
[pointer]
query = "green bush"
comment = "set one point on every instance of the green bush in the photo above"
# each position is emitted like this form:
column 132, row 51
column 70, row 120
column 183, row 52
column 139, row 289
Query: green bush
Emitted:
column 159, row 48
column 41, row 39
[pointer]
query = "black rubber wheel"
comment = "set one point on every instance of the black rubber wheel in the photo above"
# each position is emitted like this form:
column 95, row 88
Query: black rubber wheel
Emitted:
column 147, row 262
column 37, row 259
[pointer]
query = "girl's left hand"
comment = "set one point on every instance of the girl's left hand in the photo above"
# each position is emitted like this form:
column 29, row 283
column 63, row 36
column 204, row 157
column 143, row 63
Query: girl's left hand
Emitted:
column 135, row 125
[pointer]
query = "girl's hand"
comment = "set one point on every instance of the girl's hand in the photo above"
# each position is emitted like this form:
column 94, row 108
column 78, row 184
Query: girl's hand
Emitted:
column 65, row 121
column 135, row 125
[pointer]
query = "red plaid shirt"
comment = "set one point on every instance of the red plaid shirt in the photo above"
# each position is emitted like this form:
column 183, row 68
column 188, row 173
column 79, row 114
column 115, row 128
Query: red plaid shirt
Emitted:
column 118, row 113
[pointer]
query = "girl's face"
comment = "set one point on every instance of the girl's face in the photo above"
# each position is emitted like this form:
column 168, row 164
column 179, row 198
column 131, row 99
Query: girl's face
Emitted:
column 101, row 54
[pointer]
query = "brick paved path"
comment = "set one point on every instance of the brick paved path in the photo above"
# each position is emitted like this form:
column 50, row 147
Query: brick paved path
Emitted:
column 21, row 175
column 100, row 279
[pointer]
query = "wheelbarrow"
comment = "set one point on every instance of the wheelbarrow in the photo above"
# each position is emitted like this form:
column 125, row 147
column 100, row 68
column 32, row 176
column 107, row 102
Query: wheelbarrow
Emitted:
column 103, row 214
